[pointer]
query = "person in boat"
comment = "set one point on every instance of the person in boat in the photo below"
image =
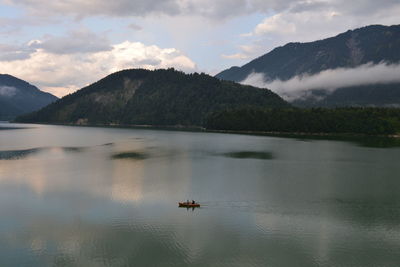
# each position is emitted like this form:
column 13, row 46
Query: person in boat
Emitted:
column 187, row 201
column 193, row 202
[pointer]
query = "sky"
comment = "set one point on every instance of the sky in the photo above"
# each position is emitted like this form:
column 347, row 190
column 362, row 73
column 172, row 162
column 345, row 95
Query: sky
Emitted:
column 62, row 46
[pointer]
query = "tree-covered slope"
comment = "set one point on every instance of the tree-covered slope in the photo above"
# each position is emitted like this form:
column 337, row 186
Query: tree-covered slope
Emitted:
column 160, row 97
column 372, row 121
column 18, row 97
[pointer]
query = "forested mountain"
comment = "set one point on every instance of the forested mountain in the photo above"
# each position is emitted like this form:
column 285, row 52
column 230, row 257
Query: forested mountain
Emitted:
column 372, row 44
column 19, row 97
column 159, row 97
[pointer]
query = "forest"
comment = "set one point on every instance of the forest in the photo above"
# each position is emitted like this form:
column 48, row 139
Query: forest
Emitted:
column 159, row 97
column 369, row 121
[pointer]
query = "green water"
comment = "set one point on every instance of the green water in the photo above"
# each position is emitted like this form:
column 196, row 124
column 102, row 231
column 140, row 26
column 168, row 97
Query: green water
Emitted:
column 81, row 196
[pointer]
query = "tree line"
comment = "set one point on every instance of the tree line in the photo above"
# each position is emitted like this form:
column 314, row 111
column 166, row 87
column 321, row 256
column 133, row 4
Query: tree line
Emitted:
column 370, row 121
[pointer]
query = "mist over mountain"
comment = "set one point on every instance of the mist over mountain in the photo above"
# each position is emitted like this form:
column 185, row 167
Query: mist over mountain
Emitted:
column 363, row 62
column 159, row 97
column 18, row 97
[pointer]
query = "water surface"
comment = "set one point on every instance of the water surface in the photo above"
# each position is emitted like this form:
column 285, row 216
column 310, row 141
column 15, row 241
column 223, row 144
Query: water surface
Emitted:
column 86, row 196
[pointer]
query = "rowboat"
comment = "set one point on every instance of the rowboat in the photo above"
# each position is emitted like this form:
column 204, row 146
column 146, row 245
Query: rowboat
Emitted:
column 189, row 205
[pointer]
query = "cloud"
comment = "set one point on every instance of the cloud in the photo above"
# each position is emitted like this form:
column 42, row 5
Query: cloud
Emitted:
column 185, row 24
column 12, row 52
column 135, row 27
column 65, row 73
column 87, row 8
column 310, row 20
column 275, row 24
column 246, row 52
column 206, row 8
column 7, row 91
column 303, row 18
column 329, row 80
column 78, row 41
column 235, row 56
column 13, row 25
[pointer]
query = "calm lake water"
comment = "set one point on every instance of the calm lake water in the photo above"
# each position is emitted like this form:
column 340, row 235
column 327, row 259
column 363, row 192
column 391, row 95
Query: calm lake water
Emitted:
column 82, row 196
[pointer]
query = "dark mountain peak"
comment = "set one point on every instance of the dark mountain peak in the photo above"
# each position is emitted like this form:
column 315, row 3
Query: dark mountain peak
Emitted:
column 374, row 43
column 18, row 96
column 9, row 80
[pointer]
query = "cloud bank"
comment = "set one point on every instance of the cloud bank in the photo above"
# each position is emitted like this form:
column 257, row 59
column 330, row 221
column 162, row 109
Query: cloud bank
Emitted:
column 329, row 80
column 60, row 73
column 206, row 8
column 122, row 8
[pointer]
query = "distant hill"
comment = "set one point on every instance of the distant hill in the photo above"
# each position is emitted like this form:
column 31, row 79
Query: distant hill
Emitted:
column 160, row 97
column 18, row 97
column 372, row 44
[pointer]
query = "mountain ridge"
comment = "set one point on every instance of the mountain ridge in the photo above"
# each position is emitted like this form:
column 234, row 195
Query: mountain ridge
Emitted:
column 159, row 97
column 18, row 97
column 372, row 44
column 258, row 64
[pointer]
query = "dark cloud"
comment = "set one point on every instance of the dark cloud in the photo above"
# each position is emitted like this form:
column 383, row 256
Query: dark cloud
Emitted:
column 303, row 6
column 135, row 27
column 363, row 7
column 99, row 7
column 206, row 8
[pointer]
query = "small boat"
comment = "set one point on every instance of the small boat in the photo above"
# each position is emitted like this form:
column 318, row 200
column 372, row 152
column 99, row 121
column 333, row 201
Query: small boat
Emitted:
column 189, row 205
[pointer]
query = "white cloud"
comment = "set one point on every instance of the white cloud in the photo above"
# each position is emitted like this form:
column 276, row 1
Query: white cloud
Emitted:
column 246, row 52
column 310, row 20
column 65, row 73
column 329, row 80
column 7, row 91
column 275, row 24
column 235, row 56
column 128, row 55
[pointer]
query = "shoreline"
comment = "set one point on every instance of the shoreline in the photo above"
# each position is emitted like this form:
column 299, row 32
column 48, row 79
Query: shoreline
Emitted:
column 202, row 129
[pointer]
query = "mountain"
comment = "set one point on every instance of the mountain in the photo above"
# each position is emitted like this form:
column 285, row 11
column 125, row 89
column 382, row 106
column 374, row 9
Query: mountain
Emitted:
column 18, row 97
column 159, row 97
column 372, row 44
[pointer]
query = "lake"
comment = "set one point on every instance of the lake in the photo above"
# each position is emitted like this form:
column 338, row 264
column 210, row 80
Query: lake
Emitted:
column 87, row 196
